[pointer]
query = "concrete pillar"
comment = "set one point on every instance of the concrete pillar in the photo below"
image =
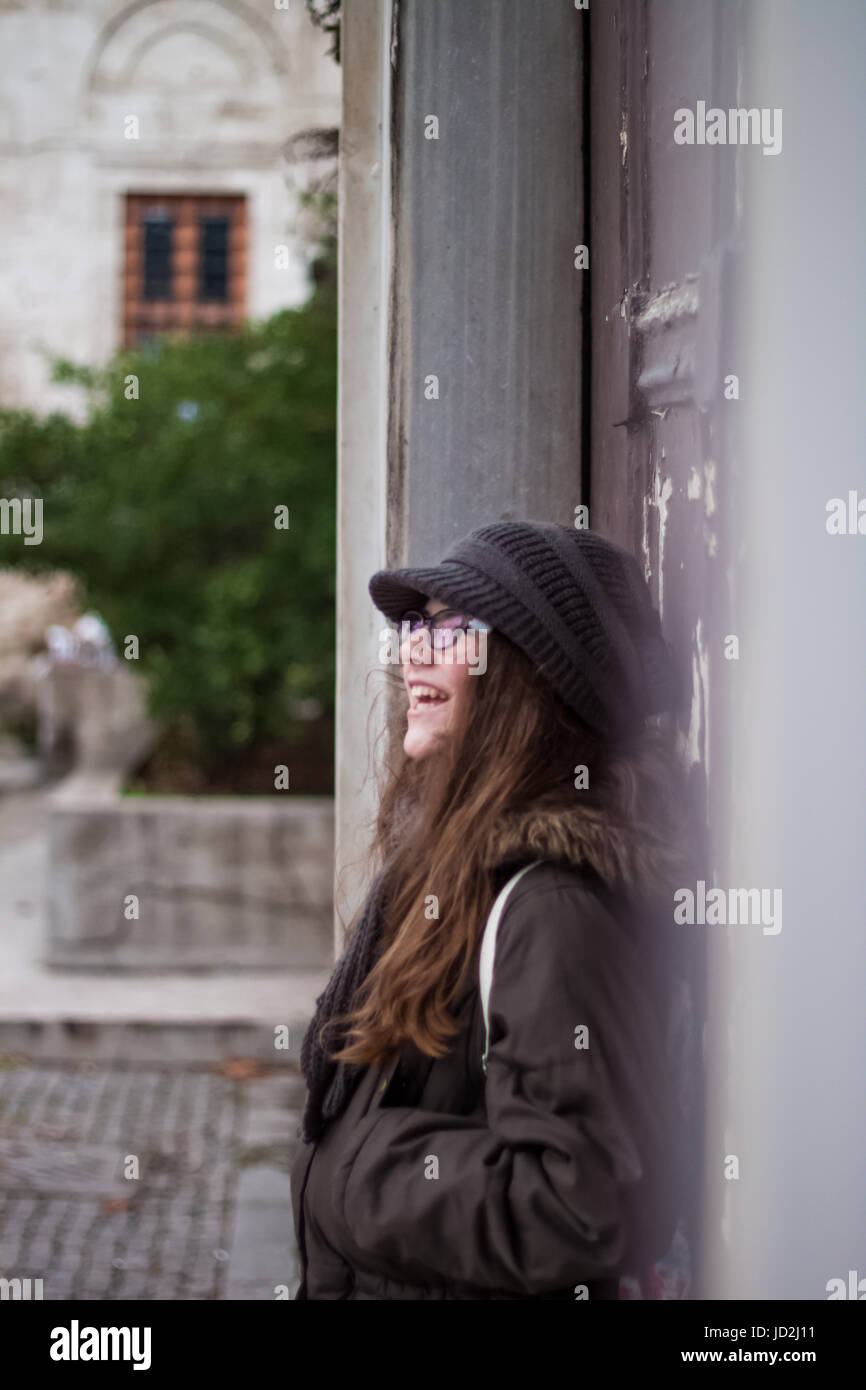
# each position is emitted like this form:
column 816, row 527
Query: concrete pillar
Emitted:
column 364, row 270
column 489, row 188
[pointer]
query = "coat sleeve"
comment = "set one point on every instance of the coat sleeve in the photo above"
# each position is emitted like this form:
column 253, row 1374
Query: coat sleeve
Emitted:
column 536, row 1198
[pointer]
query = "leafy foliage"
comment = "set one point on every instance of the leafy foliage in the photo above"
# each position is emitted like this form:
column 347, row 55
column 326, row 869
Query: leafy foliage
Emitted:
column 327, row 14
column 163, row 507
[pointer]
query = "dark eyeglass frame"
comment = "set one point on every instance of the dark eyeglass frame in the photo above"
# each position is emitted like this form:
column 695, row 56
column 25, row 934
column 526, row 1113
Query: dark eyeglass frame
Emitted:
column 441, row 635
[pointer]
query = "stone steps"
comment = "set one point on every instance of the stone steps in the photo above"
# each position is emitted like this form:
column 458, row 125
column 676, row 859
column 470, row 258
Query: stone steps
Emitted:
column 160, row 1018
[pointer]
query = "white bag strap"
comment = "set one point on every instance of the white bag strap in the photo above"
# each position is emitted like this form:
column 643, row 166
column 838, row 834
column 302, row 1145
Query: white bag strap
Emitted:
column 488, row 952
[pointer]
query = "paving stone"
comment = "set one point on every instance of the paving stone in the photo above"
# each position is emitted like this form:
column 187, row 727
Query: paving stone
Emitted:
column 210, row 1214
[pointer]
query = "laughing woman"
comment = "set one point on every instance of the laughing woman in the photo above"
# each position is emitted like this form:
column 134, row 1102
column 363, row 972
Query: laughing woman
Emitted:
column 537, row 1152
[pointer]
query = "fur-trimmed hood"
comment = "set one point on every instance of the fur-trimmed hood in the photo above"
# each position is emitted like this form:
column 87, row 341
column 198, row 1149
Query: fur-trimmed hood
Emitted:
column 622, row 856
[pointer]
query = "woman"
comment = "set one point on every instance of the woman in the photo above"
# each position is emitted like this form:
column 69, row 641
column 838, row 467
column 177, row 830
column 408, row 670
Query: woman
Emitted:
column 555, row 1171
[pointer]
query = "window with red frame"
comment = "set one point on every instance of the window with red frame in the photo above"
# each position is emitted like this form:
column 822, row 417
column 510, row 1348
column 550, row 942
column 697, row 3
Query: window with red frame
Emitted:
column 185, row 265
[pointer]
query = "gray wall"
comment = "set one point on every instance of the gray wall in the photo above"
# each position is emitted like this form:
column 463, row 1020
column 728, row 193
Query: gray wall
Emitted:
column 487, row 297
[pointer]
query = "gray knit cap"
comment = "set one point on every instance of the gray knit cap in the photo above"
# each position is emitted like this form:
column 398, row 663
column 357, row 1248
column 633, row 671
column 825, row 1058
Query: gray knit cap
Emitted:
column 575, row 603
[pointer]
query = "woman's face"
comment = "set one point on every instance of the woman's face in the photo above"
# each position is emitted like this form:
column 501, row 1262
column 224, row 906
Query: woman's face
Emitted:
column 434, row 681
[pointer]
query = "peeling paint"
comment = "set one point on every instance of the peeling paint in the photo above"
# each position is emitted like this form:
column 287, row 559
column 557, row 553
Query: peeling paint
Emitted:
column 672, row 303
column 693, row 487
column 647, row 567
column 659, row 496
column 394, row 37
column 623, row 137
column 697, row 737
column 662, row 493
column 710, row 485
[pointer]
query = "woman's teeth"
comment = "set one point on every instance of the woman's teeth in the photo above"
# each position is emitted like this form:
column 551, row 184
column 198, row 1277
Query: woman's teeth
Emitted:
column 427, row 693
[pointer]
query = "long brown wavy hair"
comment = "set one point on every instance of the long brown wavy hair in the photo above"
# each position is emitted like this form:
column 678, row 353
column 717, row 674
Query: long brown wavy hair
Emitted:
column 513, row 745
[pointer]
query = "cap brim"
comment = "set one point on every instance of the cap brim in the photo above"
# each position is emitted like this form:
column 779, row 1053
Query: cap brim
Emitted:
column 395, row 592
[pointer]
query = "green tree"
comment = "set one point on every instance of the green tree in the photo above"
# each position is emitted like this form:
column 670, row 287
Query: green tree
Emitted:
column 163, row 506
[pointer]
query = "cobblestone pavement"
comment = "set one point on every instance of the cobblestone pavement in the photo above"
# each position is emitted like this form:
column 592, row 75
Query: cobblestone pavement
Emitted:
column 137, row 1182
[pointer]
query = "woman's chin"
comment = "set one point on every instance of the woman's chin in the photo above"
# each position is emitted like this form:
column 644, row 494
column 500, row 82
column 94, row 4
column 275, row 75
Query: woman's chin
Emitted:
column 420, row 743
column 415, row 745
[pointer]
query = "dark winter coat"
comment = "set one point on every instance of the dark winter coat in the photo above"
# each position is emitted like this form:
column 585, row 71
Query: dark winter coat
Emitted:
column 558, row 1169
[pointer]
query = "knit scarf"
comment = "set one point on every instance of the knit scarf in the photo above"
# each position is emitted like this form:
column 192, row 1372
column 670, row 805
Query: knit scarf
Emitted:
column 330, row 1084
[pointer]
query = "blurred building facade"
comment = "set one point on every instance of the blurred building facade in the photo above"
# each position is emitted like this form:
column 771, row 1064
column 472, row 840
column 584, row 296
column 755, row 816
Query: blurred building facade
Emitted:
column 153, row 161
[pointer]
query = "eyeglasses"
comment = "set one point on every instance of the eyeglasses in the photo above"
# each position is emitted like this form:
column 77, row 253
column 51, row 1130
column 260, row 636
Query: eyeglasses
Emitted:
column 443, row 626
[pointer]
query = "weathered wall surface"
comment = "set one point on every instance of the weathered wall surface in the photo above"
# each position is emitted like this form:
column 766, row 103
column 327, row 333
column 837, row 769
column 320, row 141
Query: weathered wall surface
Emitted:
column 664, row 232
column 664, row 228
column 486, row 384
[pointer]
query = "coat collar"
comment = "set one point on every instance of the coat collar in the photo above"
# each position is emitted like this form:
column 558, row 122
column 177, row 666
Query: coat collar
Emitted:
column 621, row 856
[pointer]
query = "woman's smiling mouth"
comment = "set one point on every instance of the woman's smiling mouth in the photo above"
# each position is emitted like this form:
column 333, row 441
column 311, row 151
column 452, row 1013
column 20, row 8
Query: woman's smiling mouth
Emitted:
column 424, row 697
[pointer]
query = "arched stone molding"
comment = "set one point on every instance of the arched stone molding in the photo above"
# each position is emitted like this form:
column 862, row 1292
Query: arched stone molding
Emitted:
column 199, row 76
